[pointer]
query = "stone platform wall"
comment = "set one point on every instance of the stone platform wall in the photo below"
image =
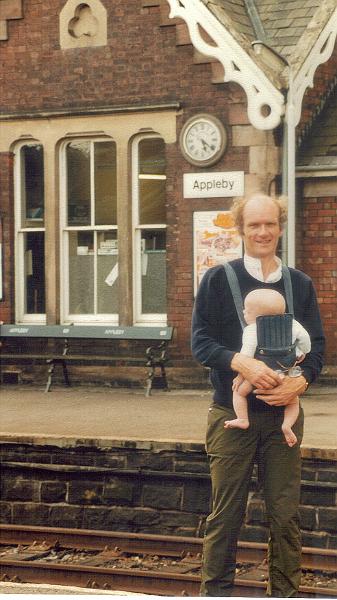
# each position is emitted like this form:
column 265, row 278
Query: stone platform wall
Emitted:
column 148, row 487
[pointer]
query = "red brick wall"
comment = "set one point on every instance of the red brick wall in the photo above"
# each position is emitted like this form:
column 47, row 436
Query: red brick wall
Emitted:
column 180, row 210
column 140, row 64
column 7, row 218
column 317, row 254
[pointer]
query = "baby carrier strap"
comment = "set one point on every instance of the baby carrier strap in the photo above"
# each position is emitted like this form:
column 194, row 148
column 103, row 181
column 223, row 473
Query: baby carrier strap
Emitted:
column 288, row 288
column 237, row 296
column 236, row 292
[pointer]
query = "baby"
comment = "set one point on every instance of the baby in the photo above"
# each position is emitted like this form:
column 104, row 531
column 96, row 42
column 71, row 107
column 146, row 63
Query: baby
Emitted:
column 265, row 302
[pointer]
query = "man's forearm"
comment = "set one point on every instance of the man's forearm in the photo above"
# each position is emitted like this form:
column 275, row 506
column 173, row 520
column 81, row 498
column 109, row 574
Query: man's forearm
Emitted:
column 283, row 394
column 256, row 371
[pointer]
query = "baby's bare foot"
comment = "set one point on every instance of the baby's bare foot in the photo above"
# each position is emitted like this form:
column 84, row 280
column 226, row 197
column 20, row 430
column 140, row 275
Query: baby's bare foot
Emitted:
column 289, row 435
column 237, row 424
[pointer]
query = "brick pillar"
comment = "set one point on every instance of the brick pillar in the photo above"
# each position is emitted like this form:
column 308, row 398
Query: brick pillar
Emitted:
column 317, row 251
column 7, row 221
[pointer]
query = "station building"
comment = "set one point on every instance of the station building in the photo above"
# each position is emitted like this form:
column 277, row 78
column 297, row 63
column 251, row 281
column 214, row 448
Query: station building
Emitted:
column 126, row 130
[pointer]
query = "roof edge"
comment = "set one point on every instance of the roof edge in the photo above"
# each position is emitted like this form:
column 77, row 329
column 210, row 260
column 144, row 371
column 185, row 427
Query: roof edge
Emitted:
column 318, row 23
column 321, row 51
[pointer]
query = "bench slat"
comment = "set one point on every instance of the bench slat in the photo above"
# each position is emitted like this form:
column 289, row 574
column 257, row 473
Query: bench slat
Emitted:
column 73, row 357
column 87, row 331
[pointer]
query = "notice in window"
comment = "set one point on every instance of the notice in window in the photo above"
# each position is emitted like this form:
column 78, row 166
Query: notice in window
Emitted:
column 111, row 278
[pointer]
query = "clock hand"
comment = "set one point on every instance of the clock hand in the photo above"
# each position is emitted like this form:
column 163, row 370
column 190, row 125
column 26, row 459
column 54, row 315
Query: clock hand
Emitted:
column 204, row 143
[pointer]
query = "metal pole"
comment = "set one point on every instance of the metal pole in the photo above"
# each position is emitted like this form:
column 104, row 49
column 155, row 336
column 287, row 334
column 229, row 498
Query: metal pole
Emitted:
column 291, row 145
column 284, row 239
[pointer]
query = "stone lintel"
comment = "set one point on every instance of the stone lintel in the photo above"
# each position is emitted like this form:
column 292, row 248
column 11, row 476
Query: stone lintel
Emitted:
column 320, row 188
column 9, row 9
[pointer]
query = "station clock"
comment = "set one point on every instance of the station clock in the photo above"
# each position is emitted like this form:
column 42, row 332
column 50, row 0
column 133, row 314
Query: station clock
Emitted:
column 203, row 140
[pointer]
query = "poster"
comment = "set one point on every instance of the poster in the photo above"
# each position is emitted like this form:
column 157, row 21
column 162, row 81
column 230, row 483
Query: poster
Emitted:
column 215, row 240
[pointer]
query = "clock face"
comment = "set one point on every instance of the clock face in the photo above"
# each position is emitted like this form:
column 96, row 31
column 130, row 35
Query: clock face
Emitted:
column 203, row 140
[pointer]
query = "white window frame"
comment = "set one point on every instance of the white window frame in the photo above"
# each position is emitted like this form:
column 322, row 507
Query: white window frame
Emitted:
column 67, row 317
column 19, row 253
column 140, row 318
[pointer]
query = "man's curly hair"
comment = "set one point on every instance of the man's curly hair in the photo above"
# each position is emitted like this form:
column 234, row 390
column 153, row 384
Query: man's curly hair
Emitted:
column 240, row 202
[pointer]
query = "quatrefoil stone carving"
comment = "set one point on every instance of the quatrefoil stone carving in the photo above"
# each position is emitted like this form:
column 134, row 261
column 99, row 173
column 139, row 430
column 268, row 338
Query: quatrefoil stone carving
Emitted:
column 83, row 24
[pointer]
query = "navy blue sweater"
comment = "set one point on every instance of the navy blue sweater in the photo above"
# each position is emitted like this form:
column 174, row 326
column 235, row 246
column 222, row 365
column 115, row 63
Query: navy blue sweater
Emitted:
column 217, row 333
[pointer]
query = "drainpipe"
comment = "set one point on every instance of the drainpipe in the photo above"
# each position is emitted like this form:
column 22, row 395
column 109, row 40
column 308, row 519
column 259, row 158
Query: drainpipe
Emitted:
column 284, row 239
column 289, row 174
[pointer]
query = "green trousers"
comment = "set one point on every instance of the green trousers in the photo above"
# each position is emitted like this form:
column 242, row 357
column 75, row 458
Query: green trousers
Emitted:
column 232, row 454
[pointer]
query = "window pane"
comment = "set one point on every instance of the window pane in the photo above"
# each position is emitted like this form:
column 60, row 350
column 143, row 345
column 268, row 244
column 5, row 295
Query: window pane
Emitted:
column 105, row 183
column 78, row 183
column 107, row 272
column 152, row 181
column 32, row 186
column 81, row 272
column 154, row 271
column 34, row 273
column 152, row 201
column 152, row 156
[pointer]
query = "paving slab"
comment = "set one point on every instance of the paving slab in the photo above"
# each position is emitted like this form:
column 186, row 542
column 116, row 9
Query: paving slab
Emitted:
column 126, row 414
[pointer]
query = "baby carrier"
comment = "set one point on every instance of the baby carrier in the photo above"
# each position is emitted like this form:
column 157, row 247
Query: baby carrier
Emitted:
column 274, row 332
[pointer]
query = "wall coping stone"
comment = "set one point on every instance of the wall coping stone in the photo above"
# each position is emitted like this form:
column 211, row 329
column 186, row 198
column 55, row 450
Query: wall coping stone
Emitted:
column 324, row 453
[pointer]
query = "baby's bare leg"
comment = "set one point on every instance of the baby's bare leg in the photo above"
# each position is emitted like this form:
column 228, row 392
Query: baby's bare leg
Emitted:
column 240, row 406
column 291, row 412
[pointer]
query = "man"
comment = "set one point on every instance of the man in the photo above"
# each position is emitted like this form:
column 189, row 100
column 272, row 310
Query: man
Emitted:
column 216, row 343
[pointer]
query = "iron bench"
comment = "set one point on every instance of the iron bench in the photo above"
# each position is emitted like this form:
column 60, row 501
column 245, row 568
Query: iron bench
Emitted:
column 155, row 355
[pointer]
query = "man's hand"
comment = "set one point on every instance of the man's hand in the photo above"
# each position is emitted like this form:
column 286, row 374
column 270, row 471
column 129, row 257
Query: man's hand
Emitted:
column 283, row 394
column 257, row 373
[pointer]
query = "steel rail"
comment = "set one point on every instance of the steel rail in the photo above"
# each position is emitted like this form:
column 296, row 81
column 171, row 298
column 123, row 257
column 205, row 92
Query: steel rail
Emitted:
column 87, row 539
column 133, row 580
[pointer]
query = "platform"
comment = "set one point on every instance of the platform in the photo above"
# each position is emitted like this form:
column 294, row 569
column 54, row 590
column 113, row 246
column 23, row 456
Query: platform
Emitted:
column 98, row 416
column 59, row 590
column 119, row 413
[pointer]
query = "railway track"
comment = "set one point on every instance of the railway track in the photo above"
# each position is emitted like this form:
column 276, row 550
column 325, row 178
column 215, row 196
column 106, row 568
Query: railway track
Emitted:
column 149, row 564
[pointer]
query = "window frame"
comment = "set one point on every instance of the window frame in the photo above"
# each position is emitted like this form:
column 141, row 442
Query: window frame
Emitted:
column 140, row 318
column 66, row 316
column 19, row 244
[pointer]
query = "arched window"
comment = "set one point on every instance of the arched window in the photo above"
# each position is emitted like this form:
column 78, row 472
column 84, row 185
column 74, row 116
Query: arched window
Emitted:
column 30, row 233
column 149, row 226
column 89, row 231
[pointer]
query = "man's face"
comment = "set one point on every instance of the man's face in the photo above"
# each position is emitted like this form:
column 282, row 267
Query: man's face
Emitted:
column 261, row 228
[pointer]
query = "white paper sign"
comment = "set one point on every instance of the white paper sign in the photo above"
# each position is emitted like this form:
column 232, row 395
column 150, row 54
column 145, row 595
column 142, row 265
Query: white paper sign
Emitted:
column 111, row 278
column 214, row 185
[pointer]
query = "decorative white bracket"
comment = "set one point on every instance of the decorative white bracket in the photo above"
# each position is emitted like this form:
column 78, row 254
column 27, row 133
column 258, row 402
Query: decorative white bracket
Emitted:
column 320, row 53
column 265, row 102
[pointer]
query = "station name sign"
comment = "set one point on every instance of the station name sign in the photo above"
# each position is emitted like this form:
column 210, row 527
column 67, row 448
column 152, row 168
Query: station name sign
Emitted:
column 213, row 184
